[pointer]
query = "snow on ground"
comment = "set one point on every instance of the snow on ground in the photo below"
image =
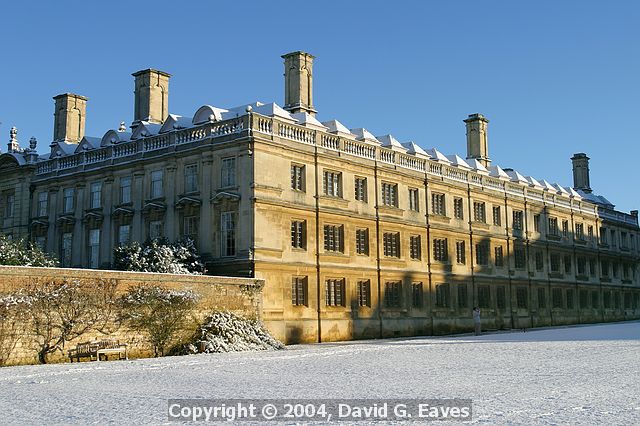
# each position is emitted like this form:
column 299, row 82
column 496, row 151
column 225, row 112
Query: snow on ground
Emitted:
column 575, row 375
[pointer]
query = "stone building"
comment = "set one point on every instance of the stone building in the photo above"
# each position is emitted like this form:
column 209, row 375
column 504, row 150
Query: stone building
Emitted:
column 356, row 235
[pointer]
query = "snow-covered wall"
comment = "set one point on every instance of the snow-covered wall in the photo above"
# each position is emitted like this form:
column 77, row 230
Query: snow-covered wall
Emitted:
column 239, row 295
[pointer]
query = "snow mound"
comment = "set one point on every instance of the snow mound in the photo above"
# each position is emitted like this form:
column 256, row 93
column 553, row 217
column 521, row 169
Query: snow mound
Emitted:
column 228, row 332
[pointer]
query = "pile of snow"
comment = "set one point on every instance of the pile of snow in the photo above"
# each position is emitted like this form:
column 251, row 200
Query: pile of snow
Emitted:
column 227, row 332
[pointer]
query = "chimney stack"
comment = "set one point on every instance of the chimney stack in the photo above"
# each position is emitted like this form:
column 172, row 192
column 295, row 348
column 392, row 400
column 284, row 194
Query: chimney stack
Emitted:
column 69, row 117
column 298, row 82
column 581, row 172
column 477, row 145
column 151, row 96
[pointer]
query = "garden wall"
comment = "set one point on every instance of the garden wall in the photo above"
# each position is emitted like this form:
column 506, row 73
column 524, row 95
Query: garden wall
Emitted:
column 239, row 295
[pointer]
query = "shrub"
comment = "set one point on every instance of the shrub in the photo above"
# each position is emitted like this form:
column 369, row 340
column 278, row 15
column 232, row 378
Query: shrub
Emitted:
column 228, row 332
column 157, row 312
column 159, row 256
column 21, row 253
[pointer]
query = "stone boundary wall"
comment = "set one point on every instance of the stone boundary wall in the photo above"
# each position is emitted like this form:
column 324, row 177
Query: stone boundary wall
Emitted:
column 242, row 296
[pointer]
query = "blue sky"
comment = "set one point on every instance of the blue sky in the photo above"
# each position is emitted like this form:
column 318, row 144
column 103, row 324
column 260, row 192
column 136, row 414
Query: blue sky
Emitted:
column 553, row 77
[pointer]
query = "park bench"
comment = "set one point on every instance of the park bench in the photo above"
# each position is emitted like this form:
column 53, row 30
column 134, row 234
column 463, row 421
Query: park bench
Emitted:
column 98, row 350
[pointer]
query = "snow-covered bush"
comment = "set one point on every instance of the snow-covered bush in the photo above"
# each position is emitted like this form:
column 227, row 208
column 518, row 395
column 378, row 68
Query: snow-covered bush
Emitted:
column 228, row 332
column 21, row 253
column 59, row 311
column 157, row 312
column 12, row 314
column 159, row 255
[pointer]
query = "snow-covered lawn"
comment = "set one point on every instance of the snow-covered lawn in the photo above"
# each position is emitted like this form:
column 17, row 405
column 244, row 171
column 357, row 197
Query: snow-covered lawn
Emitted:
column 578, row 375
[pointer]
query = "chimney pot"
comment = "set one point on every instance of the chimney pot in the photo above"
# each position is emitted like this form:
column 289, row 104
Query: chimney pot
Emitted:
column 151, row 96
column 580, row 163
column 298, row 82
column 477, row 143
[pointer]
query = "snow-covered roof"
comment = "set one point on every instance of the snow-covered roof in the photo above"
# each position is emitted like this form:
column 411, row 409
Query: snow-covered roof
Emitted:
column 414, row 149
column 364, row 135
column 388, row 141
column 497, row 172
column 534, row 182
column 87, row 143
column 207, row 113
column 438, row 156
column 337, row 128
column 308, row 120
column 572, row 192
column 476, row 165
column 144, row 129
column 516, row 176
column 175, row 122
column 458, row 161
column 273, row 110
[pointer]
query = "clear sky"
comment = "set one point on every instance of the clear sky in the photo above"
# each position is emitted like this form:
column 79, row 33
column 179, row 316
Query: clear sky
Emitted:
column 553, row 77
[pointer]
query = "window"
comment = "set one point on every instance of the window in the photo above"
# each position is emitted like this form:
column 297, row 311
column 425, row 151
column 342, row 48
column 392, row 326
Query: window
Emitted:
column 582, row 265
column 11, row 201
column 584, row 299
column 94, row 248
column 569, row 294
column 501, row 297
column 364, row 293
column 614, row 267
column 606, row 299
column 443, row 296
column 484, row 296
column 479, row 214
column 228, row 231
column 613, row 238
column 362, row 241
column 334, row 238
column 156, row 229
column 43, row 203
column 555, row 262
column 519, row 256
column 603, row 235
column 332, row 184
column 393, row 294
column 462, row 296
column 580, row 231
column 440, row 249
column 41, row 242
column 482, row 253
column 565, row 228
column 536, row 222
column 605, row 268
column 190, row 227
column 67, row 244
column 361, row 189
column 499, row 256
column 590, row 232
column 556, row 298
column 539, row 260
column 592, row 267
column 299, row 291
column 391, row 243
column 125, row 189
column 334, row 292
column 542, row 300
column 416, row 295
column 460, row 253
column 496, row 216
column 68, row 195
column 553, row 226
column 228, row 172
column 415, row 248
column 96, row 195
column 389, row 194
column 191, row 178
column 518, row 216
column 522, row 298
column 624, row 242
column 458, row 209
column 437, row 204
column 297, row 177
column 299, row 234
column 157, row 189
column 124, row 235
column 414, row 200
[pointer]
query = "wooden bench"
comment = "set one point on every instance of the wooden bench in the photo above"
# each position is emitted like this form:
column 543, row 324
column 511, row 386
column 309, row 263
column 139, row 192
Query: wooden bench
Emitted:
column 98, row 350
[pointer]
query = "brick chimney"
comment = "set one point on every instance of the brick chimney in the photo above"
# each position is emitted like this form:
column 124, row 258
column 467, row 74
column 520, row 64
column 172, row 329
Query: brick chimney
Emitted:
column 151, row 96
column 298, row 82
column 477, row 144
column 69, row 117
column 580, row 163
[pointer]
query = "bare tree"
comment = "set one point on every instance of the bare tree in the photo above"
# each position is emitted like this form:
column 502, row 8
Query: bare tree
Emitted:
column 158, row 312
column 12, row 317
column 60, row 311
